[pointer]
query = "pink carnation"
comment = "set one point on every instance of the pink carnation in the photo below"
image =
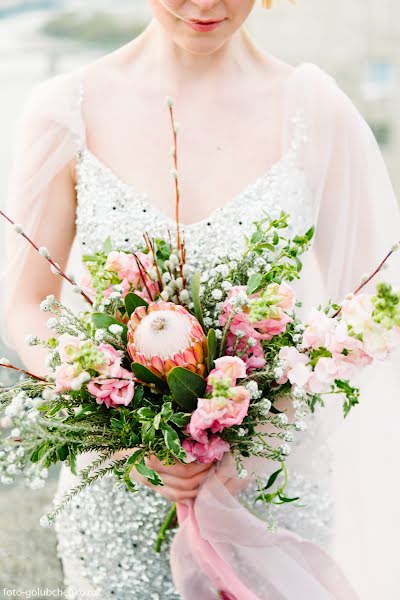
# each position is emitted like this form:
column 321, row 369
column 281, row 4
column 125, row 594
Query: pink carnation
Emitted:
column 232, row 366
column 112, row 366
column 112, row 392
column 268, row 328
column 319, row 330
column 212, row 450
column 296, row 369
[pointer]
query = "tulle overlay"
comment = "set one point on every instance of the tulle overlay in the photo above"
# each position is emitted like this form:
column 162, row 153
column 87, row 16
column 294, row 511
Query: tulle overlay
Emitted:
column 357, row 220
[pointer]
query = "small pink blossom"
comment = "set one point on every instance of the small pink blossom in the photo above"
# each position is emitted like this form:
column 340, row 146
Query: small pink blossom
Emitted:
column 324, row 374
column 295, row 364
column 268, row 328
column 65, row 377
column 212, row 450
column 112, row 366
column 319, row 330
column 232, row 366
column 86, row 285
column 67, row 346
column 285, row 295
column 357, row 311
column 112, row 392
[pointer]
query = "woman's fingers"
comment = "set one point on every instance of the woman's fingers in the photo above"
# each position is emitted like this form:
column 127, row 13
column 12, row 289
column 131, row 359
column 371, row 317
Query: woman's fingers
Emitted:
column 184, row 483
column 178, row 469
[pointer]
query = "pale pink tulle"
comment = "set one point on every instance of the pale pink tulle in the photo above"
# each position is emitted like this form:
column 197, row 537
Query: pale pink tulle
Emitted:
column 221, row 546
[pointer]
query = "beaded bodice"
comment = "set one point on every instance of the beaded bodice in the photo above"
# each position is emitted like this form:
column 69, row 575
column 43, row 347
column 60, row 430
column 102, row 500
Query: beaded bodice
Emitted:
column 106, row 205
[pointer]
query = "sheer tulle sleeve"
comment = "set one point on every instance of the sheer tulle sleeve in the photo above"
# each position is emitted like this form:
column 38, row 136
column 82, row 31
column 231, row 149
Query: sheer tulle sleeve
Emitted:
column 47, row 135
column 357, row 222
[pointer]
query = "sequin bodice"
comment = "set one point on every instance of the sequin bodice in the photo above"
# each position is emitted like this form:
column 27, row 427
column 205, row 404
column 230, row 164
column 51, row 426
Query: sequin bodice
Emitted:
column 106, row 533
column 106, row 205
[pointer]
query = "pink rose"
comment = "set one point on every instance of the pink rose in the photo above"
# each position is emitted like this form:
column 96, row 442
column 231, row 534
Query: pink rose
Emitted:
column 212, row 450
column 112, row 392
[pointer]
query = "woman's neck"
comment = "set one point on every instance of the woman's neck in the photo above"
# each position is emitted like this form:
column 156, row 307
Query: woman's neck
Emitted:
column 162, row 58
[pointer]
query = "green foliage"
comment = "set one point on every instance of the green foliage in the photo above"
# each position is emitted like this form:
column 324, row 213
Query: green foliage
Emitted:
column 102, row 321
column 132, row 301
column 211, row 349
column 196, row 298
column 147, row 376
column 352, row 395
column 186, row 387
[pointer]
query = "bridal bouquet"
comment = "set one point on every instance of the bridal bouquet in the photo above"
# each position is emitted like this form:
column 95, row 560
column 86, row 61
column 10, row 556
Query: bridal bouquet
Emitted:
column 187, row 365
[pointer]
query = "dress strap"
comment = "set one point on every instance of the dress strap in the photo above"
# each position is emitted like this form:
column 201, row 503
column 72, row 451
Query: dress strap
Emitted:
column 81, row 139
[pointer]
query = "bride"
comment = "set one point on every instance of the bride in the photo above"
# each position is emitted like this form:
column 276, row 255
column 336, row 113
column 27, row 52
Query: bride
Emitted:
column 92, row 160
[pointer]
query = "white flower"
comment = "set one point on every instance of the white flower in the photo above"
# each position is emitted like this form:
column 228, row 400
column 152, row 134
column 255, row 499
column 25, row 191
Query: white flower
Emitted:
column 20, row 452
column 252, row 387
column 288, row 436
column 264, row 406
column 226, row 285
column 32, row 414
column 48, row 303
column 36, row 483
column 4, row 361
column 166, row 277
column 216, row 294
column 179, row 283
column 240, row 333
column 242, row 474
column 6, row 480
column 100, row 335
column 164, row 295
column 177, row 127
column 186, row 270
column 11, row 470
column 174, row 173
column 242, row 432
column 218, row 334
column 44, row 473
column 252, row 342
column 282, row 419
column 14, row 433
column 251, row 272
column 169, row 101
column 32, row 340
column 45, row 521
column 18, row 228
column 52, row 323
column 278, row 372
column 284, row 449
column 54, row 270
column 300, row 425
column 115, row 329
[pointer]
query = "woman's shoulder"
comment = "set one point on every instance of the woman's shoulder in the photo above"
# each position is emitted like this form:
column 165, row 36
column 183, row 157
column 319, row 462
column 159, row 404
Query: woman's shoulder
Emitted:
column 329, row 102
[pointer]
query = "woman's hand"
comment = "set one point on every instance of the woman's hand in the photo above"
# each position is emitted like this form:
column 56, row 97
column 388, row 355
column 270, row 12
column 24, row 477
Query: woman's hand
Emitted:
column 181, row 481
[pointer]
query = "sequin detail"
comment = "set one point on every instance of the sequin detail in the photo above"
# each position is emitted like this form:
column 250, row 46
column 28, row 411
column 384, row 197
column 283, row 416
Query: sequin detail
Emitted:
column 109, row 530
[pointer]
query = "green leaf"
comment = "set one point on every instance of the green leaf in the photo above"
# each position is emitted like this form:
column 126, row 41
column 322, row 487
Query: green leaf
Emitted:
column 186, row 386
column 72, row 461
column 145, row 414
column 157, row 421
column 275, row 239
column 132, row 301
column 102, row 321
column 166, row 411
column 107, row 246
column 134, row 456
column 310, row 233
column 173, row 443
column 180, row 419
column 148, row 433
column 285, row 500
column 151, row 475
column 116, row 424
column 62, row 452
column 55, row 409
column 212, row 349
column 254, row 283
column 196, row 298
column 147, row 376
column 38, row 452
column 272, row 479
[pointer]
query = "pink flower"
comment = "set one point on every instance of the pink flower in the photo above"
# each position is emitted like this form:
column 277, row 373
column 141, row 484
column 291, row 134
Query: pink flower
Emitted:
column 319, row 331
column 285, row 296
column 295, row 363
column 112, row 392
column 212, row 450
column 112, row 366
column 232, row 366
column 65, row 375
column 86, row 285
column 67, row 346
column 325, row 373
column 357, row 311
column 268, row 328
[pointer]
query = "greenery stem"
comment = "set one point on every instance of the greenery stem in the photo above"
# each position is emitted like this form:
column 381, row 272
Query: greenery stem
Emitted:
column 165, row 526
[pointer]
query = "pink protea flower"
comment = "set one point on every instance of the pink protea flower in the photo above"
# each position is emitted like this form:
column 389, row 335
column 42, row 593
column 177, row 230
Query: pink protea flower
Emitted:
column 165, row 335
column 212, row 450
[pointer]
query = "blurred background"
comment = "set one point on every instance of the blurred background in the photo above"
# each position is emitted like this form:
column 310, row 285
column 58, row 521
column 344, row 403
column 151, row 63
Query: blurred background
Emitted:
column 356, row 41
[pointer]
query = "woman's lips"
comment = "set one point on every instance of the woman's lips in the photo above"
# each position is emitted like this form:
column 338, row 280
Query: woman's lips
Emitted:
column 210, row 26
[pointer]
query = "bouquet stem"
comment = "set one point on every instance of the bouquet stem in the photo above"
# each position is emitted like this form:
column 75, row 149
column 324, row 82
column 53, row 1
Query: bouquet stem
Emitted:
column 165, row 526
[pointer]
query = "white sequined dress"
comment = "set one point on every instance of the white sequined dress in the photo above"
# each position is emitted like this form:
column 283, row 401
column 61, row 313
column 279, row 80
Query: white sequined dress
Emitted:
column 106, row 536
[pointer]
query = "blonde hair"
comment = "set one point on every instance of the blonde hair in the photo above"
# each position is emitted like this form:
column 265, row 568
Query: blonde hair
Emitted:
column 269, row 3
